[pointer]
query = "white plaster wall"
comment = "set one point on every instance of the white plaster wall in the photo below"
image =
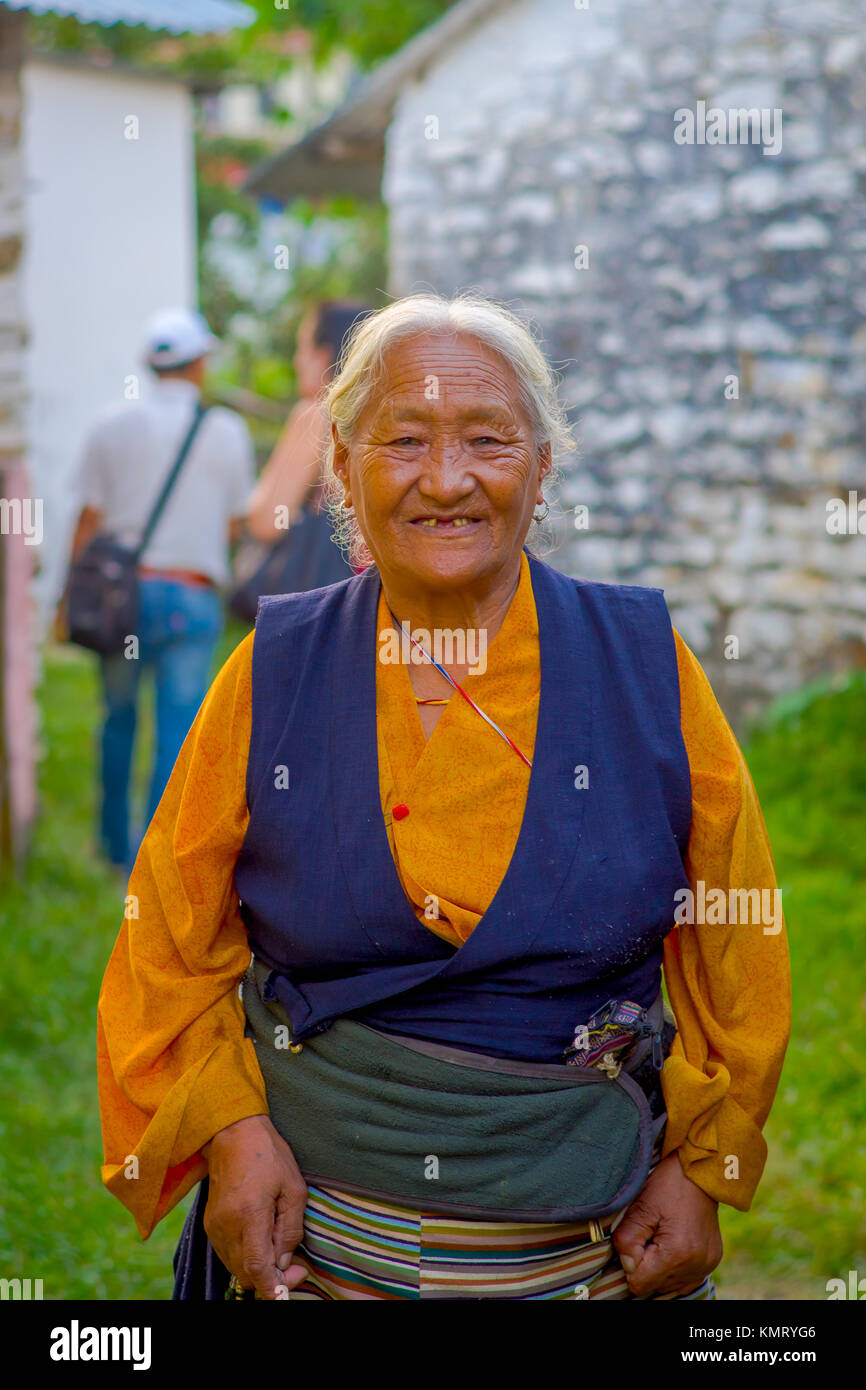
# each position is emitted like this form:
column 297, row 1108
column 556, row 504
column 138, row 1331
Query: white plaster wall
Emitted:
column 110, row 238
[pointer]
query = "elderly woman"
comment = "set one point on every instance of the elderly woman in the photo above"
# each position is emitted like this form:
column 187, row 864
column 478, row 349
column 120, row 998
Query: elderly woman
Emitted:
column 390, row 976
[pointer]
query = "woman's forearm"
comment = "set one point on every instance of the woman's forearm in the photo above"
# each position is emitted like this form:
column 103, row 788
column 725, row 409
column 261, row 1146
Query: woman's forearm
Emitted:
column 289, row 474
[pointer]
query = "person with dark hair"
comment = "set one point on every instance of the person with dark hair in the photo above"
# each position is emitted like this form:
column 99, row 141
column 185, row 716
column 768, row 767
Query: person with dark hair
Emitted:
column 292, row 477
column 290, row 545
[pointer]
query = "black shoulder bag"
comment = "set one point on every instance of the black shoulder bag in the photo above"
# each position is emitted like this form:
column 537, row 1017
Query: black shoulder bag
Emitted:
column 102, row 597
column 305, row 558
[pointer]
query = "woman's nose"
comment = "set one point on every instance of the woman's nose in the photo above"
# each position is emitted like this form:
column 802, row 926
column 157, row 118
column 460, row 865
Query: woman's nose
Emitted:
column 444, row 470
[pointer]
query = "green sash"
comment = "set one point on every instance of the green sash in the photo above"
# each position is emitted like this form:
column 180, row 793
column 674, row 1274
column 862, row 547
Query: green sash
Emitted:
column 441, row 1129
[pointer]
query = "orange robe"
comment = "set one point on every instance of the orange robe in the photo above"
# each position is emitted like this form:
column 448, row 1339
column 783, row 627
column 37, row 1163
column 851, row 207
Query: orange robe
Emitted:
column 174, row 1065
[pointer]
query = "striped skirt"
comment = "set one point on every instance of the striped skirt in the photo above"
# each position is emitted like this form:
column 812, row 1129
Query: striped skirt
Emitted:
column 354, row 1247
column 361, row 1248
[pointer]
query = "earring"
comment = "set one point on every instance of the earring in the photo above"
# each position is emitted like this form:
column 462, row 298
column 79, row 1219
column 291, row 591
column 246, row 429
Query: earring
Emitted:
column 544, row 515
column 350, row 510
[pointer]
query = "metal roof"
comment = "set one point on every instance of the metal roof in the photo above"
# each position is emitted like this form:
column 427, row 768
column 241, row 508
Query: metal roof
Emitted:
column 180, row 16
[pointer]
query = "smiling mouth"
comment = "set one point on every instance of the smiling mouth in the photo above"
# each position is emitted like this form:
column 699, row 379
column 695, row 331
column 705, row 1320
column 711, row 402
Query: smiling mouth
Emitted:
column 445, row 523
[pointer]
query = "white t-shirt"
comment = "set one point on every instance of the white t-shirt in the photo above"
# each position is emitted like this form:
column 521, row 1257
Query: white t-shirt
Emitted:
column 125, row 462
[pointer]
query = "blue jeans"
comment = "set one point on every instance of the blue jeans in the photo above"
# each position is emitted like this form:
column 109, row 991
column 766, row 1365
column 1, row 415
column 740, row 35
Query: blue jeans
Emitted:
column 178, row 628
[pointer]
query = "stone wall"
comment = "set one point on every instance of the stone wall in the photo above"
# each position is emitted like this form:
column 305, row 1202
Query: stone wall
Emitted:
column 704, row 302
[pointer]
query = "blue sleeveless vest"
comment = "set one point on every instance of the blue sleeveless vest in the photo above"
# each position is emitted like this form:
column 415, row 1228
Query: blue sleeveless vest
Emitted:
column 588, row 896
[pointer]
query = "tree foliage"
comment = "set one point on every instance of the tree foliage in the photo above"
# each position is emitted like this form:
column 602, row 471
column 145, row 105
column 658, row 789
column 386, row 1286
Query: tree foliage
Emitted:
column 368, row 29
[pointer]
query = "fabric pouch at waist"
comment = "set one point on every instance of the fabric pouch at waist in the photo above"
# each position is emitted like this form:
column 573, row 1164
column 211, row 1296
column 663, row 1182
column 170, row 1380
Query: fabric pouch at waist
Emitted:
column 446, row 1130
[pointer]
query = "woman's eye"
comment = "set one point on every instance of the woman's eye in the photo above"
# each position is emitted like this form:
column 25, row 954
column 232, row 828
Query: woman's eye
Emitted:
column 406, row 439
column 485, row 439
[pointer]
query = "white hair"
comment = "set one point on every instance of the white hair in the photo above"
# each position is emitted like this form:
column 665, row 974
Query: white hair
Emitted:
column 361, row 369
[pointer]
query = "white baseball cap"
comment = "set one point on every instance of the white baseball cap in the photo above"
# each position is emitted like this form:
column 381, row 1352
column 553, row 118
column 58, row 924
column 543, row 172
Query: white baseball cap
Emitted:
column 174, row 337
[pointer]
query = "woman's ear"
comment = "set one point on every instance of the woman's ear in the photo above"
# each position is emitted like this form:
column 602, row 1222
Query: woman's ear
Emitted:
column 341, row 463
column 545, row 463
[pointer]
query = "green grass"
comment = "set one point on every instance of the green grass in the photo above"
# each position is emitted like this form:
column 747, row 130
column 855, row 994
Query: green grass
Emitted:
column 58, row 924
column 60, row 919
column 807, row 1223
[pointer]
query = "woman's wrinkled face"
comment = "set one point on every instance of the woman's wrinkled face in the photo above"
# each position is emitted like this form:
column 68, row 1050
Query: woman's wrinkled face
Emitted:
column 443, row 471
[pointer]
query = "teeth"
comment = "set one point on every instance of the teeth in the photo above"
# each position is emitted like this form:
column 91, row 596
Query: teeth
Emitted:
column 458, row 521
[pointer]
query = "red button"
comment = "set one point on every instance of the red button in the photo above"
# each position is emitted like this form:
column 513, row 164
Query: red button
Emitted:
column 398, row 812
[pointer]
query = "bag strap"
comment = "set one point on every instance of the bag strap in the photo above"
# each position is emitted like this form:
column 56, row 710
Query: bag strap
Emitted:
column 168, row 486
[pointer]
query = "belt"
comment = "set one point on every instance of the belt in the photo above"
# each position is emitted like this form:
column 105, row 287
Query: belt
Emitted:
column 178, row 576
column 366, row 1112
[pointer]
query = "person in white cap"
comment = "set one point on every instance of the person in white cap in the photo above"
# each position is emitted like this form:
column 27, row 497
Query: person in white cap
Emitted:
column 126, row 459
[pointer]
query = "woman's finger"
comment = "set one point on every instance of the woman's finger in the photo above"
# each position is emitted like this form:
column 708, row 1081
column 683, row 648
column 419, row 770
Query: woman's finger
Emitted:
column 669, row 1266
column 289, row 1222
column 227, row 1246
column 293, row 1275
column 260, row 1269
column 650, row 1272
column 632, row 1236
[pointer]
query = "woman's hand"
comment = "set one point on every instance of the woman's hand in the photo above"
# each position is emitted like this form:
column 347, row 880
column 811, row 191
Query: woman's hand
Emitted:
column 669, row 1239
column 255, row 1211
